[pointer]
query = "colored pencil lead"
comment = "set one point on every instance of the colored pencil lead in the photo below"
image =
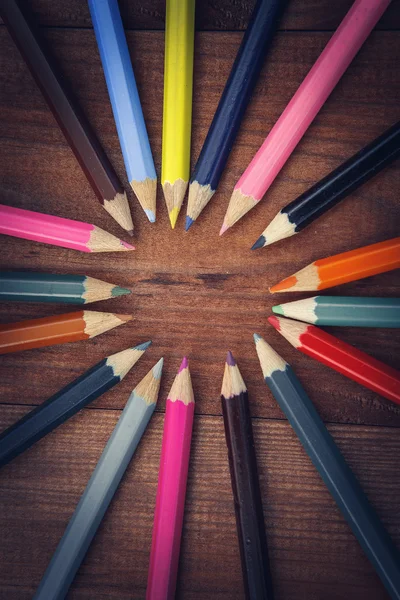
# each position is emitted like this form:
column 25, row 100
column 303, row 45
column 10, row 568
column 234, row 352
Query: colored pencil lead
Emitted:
column 260, row 243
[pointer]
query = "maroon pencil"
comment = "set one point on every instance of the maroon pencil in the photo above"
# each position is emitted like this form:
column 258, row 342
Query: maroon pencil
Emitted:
column 67, row 113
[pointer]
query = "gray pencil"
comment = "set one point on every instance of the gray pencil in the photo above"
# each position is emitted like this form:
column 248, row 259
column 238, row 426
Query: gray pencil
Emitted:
column 332, row 467
column 101, row 488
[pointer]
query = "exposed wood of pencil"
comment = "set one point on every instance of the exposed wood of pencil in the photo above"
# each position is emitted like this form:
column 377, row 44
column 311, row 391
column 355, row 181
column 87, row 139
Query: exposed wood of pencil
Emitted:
column 32, row 286
column 341, row 357
column 101, row 488
column 337, row 185
column 342, row 268
column 329, row 462
column 67, row 402
column 177, row 109
column 245, row 485
column 59, row 329
column 68, row 114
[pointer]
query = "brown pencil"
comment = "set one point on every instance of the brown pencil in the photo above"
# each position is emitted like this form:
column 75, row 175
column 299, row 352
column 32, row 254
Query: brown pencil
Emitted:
column 68, row 114
column 59, row 329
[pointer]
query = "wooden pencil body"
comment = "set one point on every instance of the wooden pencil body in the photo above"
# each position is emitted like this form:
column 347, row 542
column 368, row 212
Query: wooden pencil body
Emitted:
column 54, row 411
column 247, row 497
column 338, row 477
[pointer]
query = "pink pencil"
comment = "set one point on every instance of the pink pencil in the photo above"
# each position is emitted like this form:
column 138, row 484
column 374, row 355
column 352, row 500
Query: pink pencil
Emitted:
column 39, row 227
column 170, row 502
column 303, row 107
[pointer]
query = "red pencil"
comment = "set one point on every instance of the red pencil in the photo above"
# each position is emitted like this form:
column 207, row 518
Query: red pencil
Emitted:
column 341, row 357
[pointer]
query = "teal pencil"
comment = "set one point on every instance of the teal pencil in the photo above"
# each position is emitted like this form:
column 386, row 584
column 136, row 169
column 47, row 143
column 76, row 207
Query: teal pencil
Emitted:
column 53, row 287
column 101, row 488
column 343, row 310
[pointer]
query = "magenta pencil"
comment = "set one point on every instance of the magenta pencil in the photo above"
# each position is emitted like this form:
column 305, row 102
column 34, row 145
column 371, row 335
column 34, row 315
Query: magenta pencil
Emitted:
column 170, row 502
column 57, row 231
column 303, row 107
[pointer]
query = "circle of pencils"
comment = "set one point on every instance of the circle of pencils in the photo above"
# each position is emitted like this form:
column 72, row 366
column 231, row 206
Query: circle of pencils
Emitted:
column 67, row 402
column 303, row 108
column 330, row 464
column 343, row 311
column 51, row 287
column 341, row 357
column 59, row 329
column 333, row 188
column 101, row 487
column 342, row 268
column 245, row 485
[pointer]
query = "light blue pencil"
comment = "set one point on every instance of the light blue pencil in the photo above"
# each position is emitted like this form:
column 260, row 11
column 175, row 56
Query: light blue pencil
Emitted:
column 101, row 488
column 125, row 102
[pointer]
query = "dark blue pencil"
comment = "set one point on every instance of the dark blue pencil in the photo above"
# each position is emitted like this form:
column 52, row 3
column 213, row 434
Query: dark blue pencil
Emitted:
column 330, row 464
column 67, row 402
column 231, row 108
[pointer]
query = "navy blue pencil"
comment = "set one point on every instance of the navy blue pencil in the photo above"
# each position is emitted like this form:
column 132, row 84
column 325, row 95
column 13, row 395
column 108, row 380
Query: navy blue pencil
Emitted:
column 67, row 402
column 330, row 464
column 232, row 105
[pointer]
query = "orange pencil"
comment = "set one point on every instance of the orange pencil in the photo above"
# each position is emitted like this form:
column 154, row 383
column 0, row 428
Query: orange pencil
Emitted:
column 344, row 267
column 60, row 329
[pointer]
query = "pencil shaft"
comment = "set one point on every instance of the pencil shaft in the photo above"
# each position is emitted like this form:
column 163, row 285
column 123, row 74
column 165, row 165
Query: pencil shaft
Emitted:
column 70, row 118
column 42, row 287
column 95, row 499
column 247, row 497
column 170, row 501
column 178, row 82
column 123, row 90
column 337, row 476
column 55, row 411
column 237, row 92
column 350, row 175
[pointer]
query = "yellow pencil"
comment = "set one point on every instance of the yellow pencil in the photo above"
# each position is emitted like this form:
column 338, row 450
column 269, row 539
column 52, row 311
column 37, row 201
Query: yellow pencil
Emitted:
column 177, row 118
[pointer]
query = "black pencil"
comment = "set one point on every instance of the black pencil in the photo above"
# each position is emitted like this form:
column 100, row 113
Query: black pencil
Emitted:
column 245, row 485
column 67, row 113
column 330, row 464
column 232, row 105
column 333, row 188
column 67, row 402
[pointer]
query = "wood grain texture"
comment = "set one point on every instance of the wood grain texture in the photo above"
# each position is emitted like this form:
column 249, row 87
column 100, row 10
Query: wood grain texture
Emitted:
column 312, row 551
column 220, row 15
column 200, row 295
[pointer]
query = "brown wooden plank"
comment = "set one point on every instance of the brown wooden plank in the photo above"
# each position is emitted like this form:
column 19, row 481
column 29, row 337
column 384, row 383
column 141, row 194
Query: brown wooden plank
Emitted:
column 313, row 553
column 196, row 293
column 222, row 15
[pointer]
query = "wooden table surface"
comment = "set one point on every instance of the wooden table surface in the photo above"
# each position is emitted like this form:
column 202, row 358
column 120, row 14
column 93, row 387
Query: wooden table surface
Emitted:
column 197, row 294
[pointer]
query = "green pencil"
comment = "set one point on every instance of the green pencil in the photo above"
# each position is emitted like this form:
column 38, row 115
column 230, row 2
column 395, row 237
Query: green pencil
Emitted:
column 343, row 310
column 53, row 287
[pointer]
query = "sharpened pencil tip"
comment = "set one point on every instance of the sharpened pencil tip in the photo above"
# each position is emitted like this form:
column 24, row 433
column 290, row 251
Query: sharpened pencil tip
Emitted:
column 150, row 215
column 230, row 360
column 259, row 243
column 188, row 223
column 284, row 285
column 278, row 310
column 130, row 232
column 157, row 369
column 173, row 216
column 143, row 346
column 184, row 364
column 127, row 246
column 256, row 337
column 120, row 291
column 274, row 321
column 223, row 229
